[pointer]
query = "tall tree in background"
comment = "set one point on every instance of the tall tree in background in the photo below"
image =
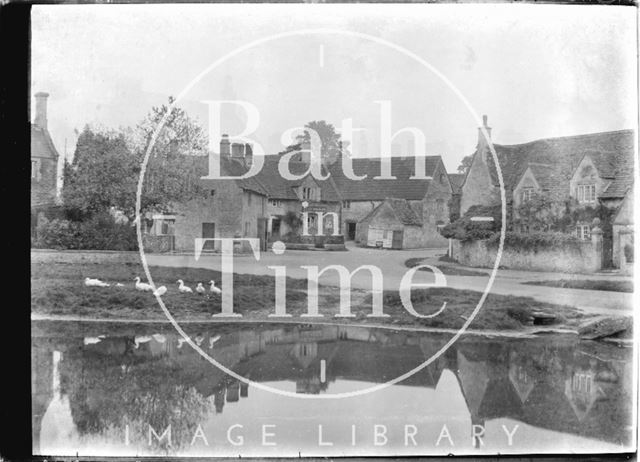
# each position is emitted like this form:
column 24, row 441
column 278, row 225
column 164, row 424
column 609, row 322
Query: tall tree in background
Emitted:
column 177, row 160
column 100, row 175
column 332, row 144
column 107, row 164
column 465, row 163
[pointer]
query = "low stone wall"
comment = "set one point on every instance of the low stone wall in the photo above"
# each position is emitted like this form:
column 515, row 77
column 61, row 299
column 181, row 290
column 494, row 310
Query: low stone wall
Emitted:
column 478, row 254
column 83, row 256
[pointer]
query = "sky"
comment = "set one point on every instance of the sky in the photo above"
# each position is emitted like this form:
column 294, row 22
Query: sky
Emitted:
column 537, row 71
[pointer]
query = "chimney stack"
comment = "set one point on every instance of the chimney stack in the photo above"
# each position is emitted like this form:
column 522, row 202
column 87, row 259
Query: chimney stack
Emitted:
column 482, row 142
column 248, row 154
column 41, row 110
column 225, row 146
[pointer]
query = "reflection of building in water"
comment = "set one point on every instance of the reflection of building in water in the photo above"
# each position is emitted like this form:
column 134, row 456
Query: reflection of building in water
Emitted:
column 555, row 387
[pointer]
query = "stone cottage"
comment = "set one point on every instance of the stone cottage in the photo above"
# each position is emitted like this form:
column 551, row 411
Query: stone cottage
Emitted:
column 590, row 169
column 428, row 198
column 392, row 225
column 261, row 206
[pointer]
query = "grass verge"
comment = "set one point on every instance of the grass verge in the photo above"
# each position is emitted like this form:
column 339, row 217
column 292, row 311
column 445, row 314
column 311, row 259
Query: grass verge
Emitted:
column 610, row 286
column 58, row 289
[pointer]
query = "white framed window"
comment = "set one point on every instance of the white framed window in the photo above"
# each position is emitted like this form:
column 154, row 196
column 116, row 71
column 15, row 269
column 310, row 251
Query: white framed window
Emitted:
column 275, row 202
column 586, row 193
column 306, row 193
column 35, row 167
column 526, row 194
column 583, row 232
column 346, row 204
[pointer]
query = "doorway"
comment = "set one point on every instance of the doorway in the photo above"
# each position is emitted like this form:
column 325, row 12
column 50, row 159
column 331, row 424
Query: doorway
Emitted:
column 208, row 232
column 351, row 230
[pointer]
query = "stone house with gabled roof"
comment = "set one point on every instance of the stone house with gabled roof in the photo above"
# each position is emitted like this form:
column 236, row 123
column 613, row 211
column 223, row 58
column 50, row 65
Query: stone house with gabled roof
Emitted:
column 429, row 198
column 44, row 165
column 393, row 225
column 590, row 170
column 258, row 206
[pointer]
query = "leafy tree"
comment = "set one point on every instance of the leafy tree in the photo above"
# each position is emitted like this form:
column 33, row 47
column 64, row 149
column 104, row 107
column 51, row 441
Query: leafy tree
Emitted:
column 100, row 176
column 332, row 144
column 465, row 164
column 106, row 167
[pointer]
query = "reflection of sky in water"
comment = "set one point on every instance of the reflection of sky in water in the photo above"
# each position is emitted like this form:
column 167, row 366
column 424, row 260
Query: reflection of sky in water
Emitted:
column 573, row 404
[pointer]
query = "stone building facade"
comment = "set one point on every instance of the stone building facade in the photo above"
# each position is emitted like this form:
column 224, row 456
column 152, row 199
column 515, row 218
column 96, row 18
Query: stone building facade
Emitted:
column 44, row 165
column 582, row 171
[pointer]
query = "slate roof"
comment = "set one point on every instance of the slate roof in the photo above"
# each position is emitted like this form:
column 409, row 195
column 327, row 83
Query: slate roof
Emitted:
column 456, row 180
column 370, row 189
column 42, row 144
column 403, row 211
column 612, row 153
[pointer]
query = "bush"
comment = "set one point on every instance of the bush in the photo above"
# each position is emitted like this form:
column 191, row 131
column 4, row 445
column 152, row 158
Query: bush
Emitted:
column 98, row 233
column 334, row 239
column 464, row 229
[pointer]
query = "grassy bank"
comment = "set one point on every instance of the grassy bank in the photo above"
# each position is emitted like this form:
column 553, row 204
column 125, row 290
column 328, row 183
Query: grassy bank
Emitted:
column 611, row 286
column 58, row 289
column 449, row 268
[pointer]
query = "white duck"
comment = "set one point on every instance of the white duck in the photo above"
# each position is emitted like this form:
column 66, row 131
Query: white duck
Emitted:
column 143, row 286
column 160, row 291
column 159, row 338
column 200, row 288
column 213, row 340
column 141, row 339
column 94, row 283
column 184, row 289
column 199, row 339
column 181, row 341
column 119, row 284
column 93, row 340
column 214, row 289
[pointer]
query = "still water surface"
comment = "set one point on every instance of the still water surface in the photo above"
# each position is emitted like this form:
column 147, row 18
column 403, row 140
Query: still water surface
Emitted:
column 105, row 389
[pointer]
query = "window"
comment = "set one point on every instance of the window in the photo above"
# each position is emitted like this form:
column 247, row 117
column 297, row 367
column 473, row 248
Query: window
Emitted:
column 526, row 194
column 34, row 169
column 312, row 194
column 583, row 232
column 442, row 178
column 346, row 204
column 167, row 227
column 439, row 206
column 586, row 193
column 275, row 202
column 311, row 220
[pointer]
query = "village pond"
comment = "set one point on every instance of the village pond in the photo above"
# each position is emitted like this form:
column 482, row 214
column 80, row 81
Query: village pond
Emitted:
column 110, row 389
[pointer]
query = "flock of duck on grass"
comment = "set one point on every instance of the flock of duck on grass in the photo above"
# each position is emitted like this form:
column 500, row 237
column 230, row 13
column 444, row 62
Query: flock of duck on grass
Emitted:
column 144, row 287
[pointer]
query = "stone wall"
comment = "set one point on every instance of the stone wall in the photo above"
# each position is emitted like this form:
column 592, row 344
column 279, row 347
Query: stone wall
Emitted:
column 357, row 211
column 477, row 254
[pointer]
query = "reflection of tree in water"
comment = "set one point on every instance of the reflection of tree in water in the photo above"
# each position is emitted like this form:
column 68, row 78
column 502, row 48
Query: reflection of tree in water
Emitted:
column 108, row 392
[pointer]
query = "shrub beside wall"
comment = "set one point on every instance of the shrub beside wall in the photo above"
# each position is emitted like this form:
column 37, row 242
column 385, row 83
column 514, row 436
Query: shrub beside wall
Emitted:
column 99, row 233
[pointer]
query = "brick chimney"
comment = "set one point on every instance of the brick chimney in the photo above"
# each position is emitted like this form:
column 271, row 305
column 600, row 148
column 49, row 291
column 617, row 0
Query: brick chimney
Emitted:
column 41, row 110
column 225, row 146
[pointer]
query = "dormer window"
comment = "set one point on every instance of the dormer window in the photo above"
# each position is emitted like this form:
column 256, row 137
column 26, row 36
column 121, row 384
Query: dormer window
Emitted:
column 310, row 194
column 526, row 194
column 586, row 193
